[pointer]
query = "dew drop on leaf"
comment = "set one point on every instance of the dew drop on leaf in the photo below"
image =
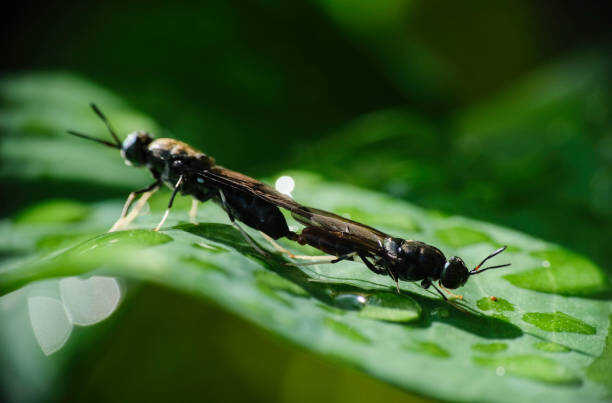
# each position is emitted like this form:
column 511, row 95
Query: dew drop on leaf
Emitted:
column 561, row 272
column 489, row 348
column 499, row 305
column 551, row 347
column 530, row 366
column 558, row 322
column 427, row 347
column 391, row 307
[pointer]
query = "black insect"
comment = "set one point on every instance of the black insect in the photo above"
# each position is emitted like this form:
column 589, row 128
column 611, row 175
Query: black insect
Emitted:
column 345, row 239
column 179, row 166
column 191, row 172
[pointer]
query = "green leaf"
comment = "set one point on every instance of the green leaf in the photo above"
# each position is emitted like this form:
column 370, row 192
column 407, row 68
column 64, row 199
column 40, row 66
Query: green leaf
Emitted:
column 347, row 312
column 391, row 307
column 54, row 211
column 530, row 367
column 490, row 348
column 505, row 348
column 558, row 322
column 563, row 273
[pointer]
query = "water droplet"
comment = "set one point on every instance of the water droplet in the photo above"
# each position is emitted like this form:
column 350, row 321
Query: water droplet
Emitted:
column 90, row 301
column 533, row 367
column 500, row 371
column 490, row 348
column 558, row 322
column 551, row 347
column 545, row 263
column 349, row 301
column 426, row 347
column 568, row 274
column 285, row 185
column 498, row 305
column 391, row 307
column 50, row 323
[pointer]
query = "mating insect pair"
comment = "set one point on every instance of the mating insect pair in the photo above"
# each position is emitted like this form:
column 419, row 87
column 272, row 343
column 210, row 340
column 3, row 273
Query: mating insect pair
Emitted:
column 188, row 171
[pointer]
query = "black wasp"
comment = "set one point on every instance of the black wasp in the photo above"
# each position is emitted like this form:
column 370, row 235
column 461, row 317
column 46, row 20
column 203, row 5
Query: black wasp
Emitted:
column 254, row 203
column 345, row 239
column 179, row 166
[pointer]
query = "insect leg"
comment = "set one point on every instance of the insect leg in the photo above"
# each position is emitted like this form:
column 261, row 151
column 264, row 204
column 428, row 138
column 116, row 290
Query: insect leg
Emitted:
column 449, row 292
column 395, row 278
column 193, row 212
column 446, row 299
column 124, row 221
column 133, row 195
column 323, row 259
column 245, row 235
column 167, row 212
column 439, row 292
column 276, row 245
column 347, row 256
column 370, row 266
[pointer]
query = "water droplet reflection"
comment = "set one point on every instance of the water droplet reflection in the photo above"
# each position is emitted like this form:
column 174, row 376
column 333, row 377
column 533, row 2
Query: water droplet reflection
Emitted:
column 349, row 301
column 83, row 302
column 391, row 307
column 285, row 184
column 500, row 371
column 90, row 301
column 50, row 323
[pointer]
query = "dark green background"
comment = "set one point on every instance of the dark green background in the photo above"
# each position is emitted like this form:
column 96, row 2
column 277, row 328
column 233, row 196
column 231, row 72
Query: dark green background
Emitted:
column 495, row 110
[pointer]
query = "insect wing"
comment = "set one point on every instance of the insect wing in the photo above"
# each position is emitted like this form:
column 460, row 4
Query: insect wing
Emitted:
column 223, row 177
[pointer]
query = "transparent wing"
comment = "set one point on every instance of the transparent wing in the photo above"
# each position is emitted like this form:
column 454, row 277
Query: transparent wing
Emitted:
column 224, row 178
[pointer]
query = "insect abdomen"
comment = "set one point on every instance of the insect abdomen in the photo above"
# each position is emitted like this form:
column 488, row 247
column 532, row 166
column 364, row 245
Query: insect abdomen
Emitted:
column 257, row 213
column 326, row 241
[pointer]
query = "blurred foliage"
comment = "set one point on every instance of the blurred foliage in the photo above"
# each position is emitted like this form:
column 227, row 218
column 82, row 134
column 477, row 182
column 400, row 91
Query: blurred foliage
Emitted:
column 494, row 110
column 535, row 156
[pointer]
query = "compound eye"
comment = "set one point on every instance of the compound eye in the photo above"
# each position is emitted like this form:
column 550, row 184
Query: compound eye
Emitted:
column 454, row 274
column 133, row 148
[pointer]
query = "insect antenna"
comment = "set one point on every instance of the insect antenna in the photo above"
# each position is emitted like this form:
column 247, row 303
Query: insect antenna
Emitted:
column 497, row 252
column 84, row 136
column 106, row 122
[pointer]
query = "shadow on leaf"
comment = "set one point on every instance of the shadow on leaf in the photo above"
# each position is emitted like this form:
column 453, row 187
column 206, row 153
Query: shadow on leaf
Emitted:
column 433, row 309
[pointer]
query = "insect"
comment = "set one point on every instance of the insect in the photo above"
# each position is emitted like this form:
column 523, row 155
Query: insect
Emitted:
column 191, row 172
column 179, row 166
column 344, row 239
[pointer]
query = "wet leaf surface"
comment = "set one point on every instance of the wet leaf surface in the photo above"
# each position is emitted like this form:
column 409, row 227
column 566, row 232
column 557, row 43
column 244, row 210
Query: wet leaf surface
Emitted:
column 549, row 301
column 343, row 310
